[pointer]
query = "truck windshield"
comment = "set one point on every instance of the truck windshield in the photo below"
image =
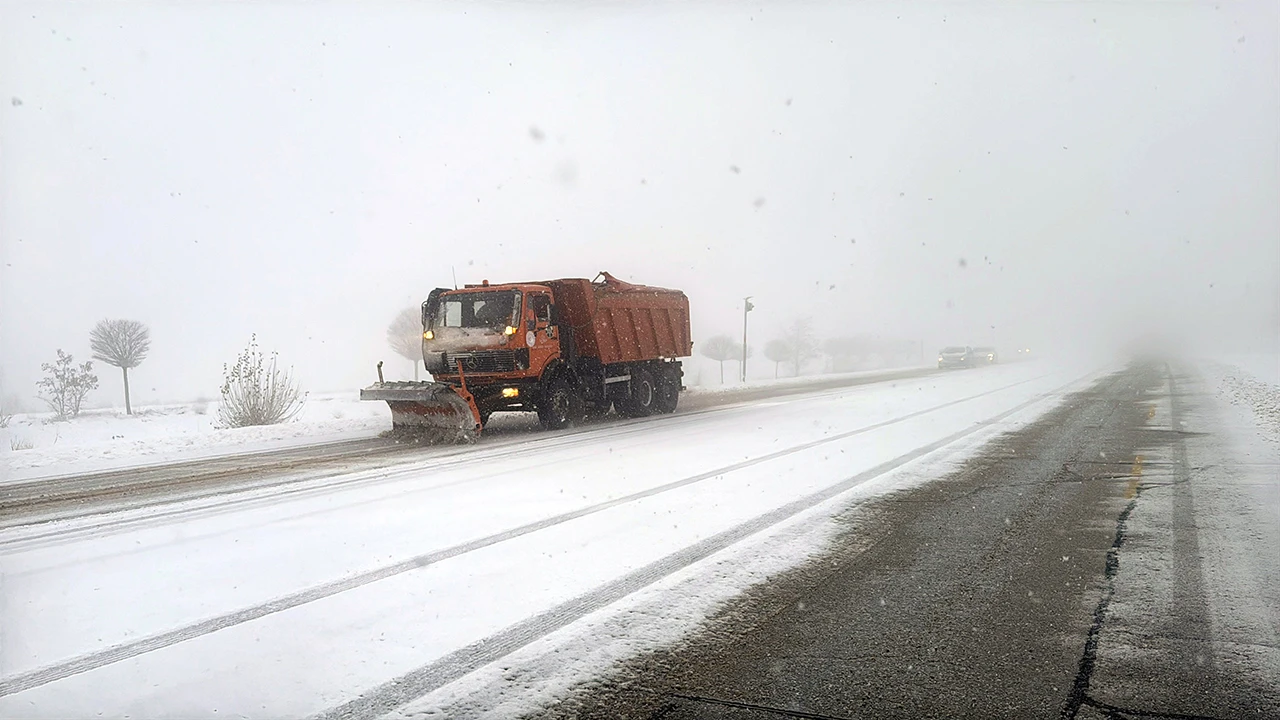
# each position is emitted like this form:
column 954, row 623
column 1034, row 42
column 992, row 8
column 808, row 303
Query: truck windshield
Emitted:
column 489, row 309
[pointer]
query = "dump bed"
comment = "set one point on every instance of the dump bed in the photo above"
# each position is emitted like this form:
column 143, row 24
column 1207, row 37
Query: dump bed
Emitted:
column 617, row 321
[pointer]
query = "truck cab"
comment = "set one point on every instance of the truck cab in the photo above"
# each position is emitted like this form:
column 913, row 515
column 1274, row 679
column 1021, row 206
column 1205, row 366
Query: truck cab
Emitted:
column 499, row 338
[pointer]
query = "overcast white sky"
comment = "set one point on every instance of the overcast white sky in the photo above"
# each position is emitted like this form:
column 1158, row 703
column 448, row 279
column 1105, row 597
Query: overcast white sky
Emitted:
column 304, row 170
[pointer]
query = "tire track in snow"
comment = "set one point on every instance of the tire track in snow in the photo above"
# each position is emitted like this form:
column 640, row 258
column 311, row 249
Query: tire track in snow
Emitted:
column 241, row 497
column 116, row 653
column 410, row 686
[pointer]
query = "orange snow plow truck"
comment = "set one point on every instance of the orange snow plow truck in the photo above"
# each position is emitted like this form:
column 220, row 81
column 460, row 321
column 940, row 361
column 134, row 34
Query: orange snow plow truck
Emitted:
column 566, row 349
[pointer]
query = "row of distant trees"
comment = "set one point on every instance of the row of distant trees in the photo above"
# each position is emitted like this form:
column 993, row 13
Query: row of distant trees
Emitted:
column 255, row 390
column 797, row 344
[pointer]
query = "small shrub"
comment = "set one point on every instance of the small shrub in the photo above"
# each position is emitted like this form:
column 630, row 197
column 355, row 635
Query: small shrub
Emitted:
column 17, row 443
column 65, row 385
column 255, row 391
column 5, row 417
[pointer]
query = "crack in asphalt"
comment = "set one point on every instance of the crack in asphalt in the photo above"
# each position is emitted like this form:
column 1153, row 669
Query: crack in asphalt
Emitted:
column 1188, row 586
column 1079, row 693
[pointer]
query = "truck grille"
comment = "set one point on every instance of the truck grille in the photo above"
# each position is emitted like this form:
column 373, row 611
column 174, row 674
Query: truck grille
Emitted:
column 482, row 361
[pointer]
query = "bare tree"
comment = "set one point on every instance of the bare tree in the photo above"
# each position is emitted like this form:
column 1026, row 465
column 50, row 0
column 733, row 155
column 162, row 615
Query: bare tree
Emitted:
column 778, row 351
column 721, row 348
column 123, row 344
column 255, row 391
column 65, row 385
column 404, row 335
column 5, row 417
column 803, row 343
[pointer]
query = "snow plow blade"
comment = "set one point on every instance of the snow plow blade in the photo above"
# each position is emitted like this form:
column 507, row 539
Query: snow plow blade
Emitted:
column 433, row 412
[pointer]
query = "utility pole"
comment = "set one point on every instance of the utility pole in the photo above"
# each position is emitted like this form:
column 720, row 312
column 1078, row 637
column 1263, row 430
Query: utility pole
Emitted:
column 746, row 308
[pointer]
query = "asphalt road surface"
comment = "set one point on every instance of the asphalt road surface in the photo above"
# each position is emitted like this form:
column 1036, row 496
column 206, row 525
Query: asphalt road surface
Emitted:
column 1073, row 569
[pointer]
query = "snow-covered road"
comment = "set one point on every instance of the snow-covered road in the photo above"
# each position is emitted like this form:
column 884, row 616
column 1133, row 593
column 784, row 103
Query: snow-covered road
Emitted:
column 404, row 584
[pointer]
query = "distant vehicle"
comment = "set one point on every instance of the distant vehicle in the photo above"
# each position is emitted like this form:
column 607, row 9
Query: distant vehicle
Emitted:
column 956, row 357
column 987, row 355
column 1024, row 353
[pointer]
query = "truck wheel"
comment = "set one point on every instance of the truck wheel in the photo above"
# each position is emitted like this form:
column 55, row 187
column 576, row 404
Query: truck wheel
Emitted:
column 644, row 395
column 668, row 392
column 561, row 406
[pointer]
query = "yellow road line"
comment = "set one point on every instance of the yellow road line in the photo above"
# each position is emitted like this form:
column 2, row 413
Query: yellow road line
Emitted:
column 1135, row 476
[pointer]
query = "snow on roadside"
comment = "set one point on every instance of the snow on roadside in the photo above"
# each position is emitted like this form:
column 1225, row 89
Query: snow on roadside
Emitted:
column 1252, row 382
column 108, row 439
column 101, row 439
column 801, row 380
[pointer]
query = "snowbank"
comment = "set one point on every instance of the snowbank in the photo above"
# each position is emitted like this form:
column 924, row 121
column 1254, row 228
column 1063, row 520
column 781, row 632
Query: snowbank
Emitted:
column 731, row 386
column 36, row 446
column 1252, row 382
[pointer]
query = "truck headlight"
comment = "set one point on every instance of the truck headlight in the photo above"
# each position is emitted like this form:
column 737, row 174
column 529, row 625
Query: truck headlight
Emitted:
column 509, row 331
column 510, row 392
column 428, row 335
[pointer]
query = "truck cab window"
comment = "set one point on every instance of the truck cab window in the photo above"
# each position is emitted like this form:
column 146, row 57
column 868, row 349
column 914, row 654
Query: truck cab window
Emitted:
column 541, row 306
column 490, row 309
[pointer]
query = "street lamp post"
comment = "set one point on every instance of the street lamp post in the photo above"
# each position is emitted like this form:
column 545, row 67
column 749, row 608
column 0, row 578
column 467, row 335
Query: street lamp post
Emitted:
column 746, row 308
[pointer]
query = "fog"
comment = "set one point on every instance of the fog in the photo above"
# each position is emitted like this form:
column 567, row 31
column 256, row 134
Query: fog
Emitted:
column 1062, row 175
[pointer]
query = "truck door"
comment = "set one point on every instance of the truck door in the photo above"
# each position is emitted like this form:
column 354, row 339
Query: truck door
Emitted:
column 540, row 334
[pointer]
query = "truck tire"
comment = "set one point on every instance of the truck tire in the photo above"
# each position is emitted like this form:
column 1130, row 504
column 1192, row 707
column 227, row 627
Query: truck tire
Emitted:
column 668, row 387
column 642, row 400
column 561, row 406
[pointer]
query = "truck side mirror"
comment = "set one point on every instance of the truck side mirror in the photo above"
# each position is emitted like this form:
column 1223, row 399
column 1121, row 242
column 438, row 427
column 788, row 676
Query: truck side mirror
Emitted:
column 429, row 307
column 555, row 315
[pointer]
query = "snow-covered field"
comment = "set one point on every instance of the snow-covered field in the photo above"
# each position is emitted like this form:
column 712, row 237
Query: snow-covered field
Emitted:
column 103, row 439
column 487, row 583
